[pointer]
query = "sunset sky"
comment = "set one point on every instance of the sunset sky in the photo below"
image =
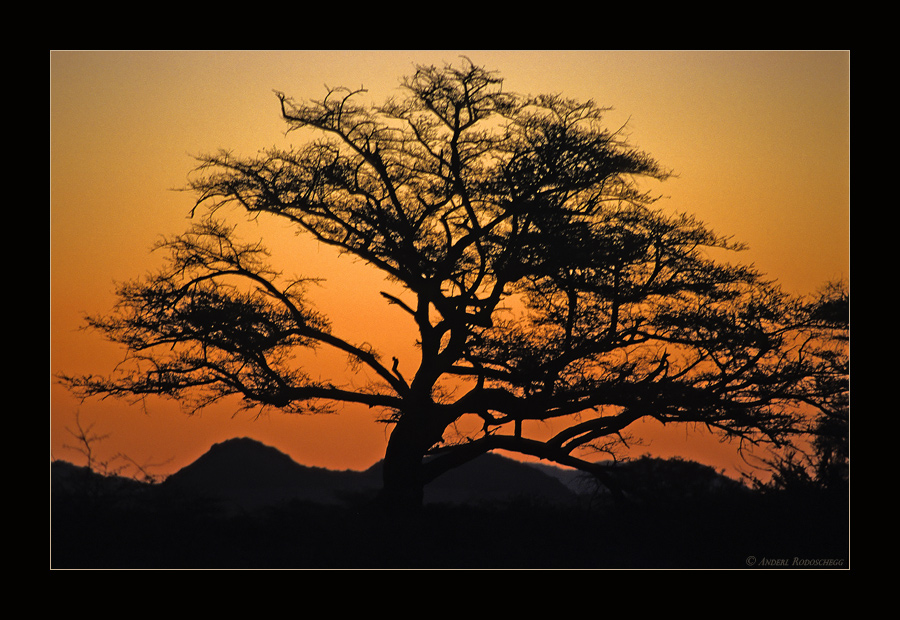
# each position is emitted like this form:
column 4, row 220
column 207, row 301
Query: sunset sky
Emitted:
column 759, row 141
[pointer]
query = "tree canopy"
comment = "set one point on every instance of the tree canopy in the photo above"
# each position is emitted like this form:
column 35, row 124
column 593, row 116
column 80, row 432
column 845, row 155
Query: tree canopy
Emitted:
column 543, row 282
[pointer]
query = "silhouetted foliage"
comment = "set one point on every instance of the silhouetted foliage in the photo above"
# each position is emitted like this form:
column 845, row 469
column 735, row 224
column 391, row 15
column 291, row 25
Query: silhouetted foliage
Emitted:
column 825, row 464
column 119, row 466
column 541, row 280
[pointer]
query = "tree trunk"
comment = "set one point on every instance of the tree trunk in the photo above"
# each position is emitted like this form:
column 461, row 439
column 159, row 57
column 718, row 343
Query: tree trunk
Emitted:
column 402, row 475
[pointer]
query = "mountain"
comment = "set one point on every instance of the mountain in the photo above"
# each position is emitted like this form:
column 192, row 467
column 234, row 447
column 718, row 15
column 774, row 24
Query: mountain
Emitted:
column 492, row 477
column 67, row 480
column 247, row 474
column 243, row 474
column 576, row 481
column 653, row 479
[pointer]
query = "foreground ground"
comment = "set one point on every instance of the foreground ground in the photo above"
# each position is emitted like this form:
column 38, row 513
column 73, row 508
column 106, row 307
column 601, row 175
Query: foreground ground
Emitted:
column 747, row 531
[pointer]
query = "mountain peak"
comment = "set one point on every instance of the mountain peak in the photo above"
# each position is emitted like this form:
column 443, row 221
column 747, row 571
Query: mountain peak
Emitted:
column 238, row 463
column 250, row 473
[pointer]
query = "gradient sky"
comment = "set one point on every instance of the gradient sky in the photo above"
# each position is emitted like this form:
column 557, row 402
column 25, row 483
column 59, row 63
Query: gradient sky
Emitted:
column 759, row 141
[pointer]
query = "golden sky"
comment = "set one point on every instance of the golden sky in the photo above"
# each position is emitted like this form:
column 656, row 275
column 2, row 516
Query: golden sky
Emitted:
column 760, row 142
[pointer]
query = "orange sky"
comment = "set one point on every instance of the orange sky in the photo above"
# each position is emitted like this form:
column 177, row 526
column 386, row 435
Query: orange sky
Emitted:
column 759, row 140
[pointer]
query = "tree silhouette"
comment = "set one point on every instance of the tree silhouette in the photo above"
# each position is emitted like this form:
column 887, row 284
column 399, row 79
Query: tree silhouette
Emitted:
column 825, row 463
column 542, row 282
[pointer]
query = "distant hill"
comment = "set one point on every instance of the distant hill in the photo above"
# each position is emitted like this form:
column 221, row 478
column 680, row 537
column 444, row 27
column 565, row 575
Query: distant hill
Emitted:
column 492, row 477
column 576, row 481
column 656, row 479
column 249, row 474
column 244, row 474
column 67, row 479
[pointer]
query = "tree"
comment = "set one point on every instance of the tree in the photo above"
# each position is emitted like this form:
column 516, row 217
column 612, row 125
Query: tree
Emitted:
column 825, row 463
column 830, row 312
column 542, row 281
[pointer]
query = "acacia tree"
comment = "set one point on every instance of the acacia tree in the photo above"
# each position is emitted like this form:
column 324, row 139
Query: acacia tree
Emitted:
column 541, row 280
column 825, row 462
